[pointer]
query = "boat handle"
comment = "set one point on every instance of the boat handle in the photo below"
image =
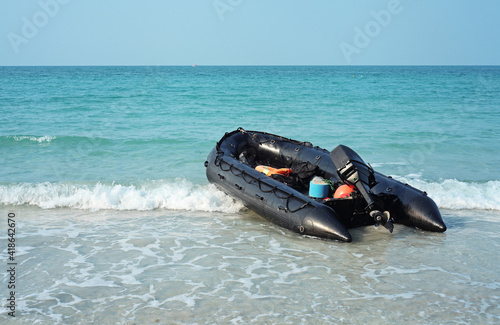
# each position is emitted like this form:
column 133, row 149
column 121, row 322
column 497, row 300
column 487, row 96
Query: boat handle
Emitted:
column 282, row 208
column 220, row 176
column 238, row 187
column 259, row 197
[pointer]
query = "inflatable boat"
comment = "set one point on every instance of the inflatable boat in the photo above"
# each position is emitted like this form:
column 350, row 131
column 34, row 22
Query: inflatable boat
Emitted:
column 312, row 191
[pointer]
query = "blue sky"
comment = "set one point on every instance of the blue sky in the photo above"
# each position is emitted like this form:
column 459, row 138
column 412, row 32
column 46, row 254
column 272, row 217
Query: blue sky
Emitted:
column 250, row 32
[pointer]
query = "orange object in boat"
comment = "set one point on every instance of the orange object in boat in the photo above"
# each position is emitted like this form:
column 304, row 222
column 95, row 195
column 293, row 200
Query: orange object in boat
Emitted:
column 271, row 171
column 343, row 191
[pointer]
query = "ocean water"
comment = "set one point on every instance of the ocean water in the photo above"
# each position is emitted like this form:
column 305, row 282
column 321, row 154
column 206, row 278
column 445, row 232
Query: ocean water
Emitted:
column 115, row 222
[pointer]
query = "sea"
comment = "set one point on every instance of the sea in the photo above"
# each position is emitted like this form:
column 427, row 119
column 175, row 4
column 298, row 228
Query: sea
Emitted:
column 107, row 216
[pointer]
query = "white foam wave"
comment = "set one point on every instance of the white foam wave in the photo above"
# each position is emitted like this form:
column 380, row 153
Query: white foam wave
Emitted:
column 181, row 194
column 458, row 195
column 174, row 195
column 45, row 138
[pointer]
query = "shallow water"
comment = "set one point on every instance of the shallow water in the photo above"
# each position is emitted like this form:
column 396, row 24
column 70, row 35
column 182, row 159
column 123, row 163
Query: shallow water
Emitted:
column 181, row 267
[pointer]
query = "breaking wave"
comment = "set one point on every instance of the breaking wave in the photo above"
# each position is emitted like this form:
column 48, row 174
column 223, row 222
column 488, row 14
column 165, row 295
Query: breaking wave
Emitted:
column 33, row 138
column 178, row 194
column 181, row 194
column 460, row 195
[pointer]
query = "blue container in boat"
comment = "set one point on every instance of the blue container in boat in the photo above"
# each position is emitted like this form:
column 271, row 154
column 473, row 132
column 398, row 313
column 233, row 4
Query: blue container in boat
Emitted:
column 318, row 188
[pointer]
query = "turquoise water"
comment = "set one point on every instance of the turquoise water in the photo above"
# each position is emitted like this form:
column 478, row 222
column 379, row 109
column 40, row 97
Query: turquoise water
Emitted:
column 103, row 167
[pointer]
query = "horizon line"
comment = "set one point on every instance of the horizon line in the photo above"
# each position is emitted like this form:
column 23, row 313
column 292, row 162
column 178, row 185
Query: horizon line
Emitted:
column 261, row 65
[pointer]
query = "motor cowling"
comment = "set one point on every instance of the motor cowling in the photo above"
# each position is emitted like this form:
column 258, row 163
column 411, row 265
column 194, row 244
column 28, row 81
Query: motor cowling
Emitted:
column 354, row 171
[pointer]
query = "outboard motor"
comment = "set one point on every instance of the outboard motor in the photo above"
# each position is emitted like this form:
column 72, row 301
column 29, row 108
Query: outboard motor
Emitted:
column 353, row 170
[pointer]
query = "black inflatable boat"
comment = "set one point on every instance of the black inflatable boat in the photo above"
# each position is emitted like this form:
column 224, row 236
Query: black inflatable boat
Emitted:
column 283, row 180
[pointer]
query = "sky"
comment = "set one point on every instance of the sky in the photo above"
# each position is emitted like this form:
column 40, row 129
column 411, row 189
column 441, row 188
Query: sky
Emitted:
column 250, row 32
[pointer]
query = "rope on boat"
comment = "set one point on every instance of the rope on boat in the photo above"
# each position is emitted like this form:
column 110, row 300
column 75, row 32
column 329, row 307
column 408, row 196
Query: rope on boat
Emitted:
column 272, row 188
